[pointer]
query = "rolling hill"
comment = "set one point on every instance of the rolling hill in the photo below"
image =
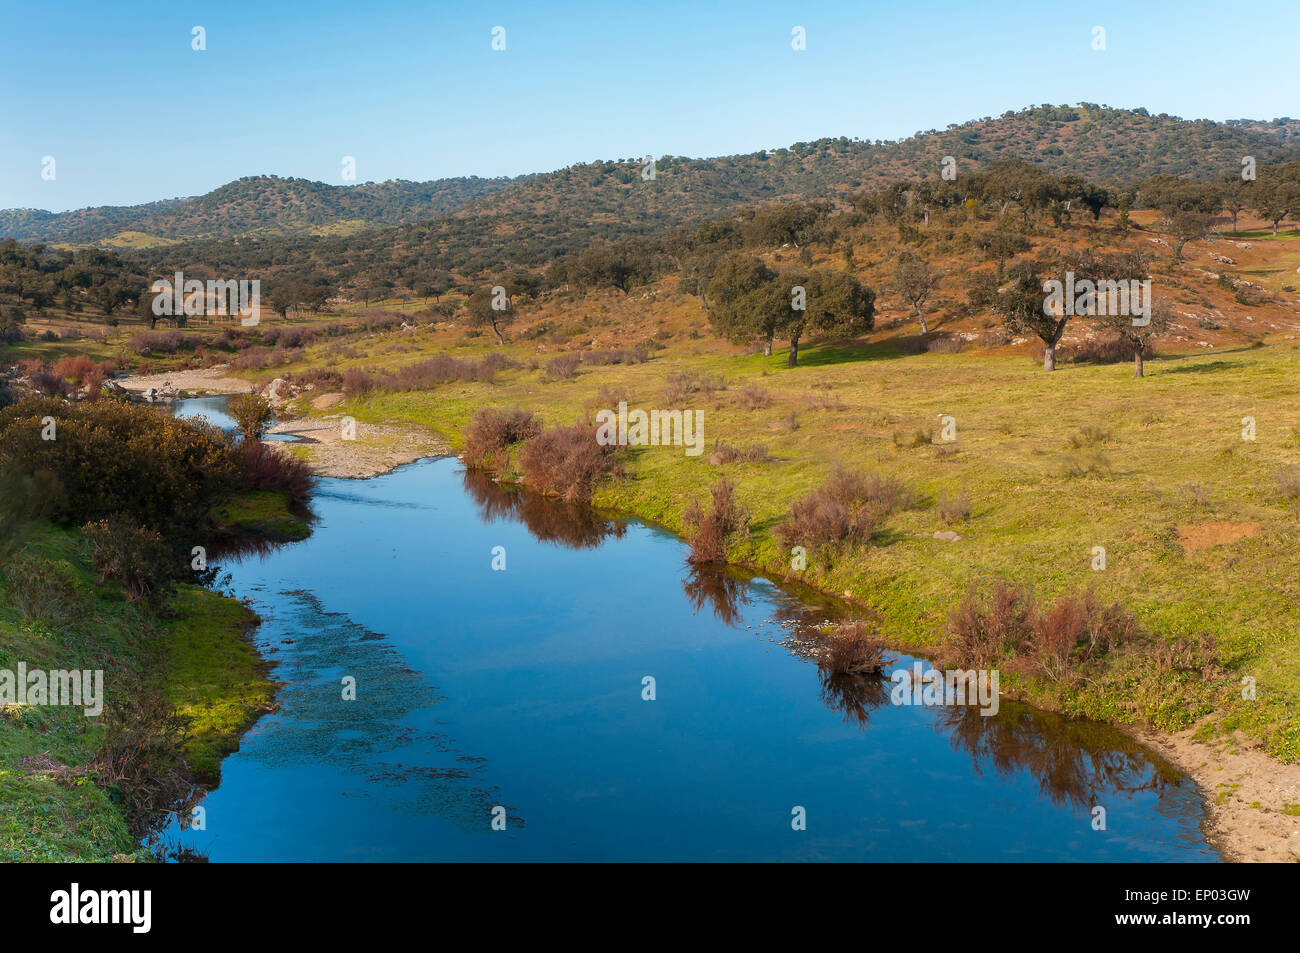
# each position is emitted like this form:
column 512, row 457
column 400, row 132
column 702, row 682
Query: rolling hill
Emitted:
column 263, row 204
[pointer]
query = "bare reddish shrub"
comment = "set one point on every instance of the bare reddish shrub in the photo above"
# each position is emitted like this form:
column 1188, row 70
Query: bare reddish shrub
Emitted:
column 851, row 649
column 1008, row 623
column 711, row 533
column 166, row 342
column 49, row 383
column 74, row 367
column 1077, row 629
column 356, row 382
column 493, row 430
column 726, row 453
column 982, row 630
column 562, row 367
column 565, row 462
column 845, row 511
column 267, row 468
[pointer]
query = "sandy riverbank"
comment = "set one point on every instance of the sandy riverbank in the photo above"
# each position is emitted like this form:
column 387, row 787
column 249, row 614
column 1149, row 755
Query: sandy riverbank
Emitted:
column 374, row 449
column 1247, row 795
column 211, row 380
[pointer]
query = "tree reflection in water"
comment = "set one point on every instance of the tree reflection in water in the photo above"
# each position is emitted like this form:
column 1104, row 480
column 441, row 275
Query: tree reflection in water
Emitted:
column 1076, row 762
column 552, row 521
column 720, row 587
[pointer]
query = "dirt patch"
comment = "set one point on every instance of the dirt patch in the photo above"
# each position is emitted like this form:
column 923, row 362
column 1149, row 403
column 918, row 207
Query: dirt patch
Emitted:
column 338, row 447
column 1204, row 535
column 1247, row 795
column 326, row 401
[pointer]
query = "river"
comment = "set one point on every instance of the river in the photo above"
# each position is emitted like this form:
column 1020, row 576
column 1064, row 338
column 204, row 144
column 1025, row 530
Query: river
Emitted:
column 516, row 698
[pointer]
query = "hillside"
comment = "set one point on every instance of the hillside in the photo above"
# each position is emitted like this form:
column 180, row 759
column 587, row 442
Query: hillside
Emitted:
column 559, row 213
column 263, row 204
column 532, row 217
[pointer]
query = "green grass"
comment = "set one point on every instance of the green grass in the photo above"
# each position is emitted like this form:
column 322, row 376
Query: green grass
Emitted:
column 264, row 514
column 210, row 670
column 217, row 680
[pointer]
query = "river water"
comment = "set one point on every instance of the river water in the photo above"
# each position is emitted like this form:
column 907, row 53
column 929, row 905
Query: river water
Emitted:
column 516, row 698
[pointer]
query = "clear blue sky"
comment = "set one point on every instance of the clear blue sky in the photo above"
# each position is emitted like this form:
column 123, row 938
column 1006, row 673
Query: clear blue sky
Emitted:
column 113, row 90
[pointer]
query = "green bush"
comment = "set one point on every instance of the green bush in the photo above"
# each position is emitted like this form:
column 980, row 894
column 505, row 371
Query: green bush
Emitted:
column 109, row 460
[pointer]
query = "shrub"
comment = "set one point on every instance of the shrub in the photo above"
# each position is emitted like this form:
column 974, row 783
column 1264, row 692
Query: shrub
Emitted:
column 1288, row 482
column 983, row 630
column 954, row 509
column 611, row 397
column 74, row 367
column 137, row 559
column 680, row 386
column 711, row 533
column 141, row 761
column 95, row 378
column 116, row 459
column 164, row 342
column 845, row 511
column 356, row 382
column 636, row 355
column 1104, row 351
column 1009, row 624
column 251, row 359
column 44, row 589
column 440, row 369
column 919, row 438
column 565, row 462
column 492, row 430
column 269, row 468
column 944, row 345
column 253, row 413
column 726, row 453
column 753, row 397
column 851, row 650
column 49, row 383
column 1085, row 463
column 562, row 367
column 1078, row 629
column 1088, row 436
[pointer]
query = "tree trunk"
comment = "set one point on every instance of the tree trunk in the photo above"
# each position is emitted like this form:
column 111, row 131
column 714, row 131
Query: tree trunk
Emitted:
column 1049, row 357
column 497, row 331
column 920, row 316
column 794, row 353
column 1137, row 362
column 767, row 348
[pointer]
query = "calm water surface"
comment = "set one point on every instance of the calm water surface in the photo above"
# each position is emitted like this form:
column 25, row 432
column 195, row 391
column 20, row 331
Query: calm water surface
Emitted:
column 523, row 689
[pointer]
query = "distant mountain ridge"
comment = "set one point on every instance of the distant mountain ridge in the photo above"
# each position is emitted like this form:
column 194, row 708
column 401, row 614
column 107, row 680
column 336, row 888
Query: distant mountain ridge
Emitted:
column 609, row 198
column 261, row 204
